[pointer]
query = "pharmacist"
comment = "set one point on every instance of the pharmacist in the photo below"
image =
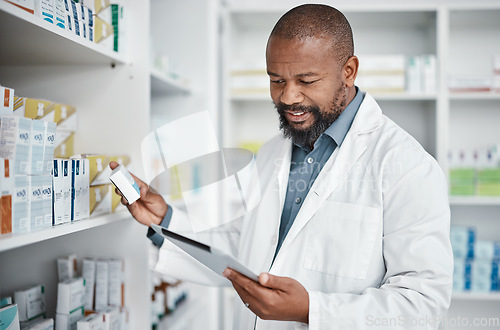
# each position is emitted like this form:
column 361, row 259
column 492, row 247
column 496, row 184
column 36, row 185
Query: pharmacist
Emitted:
column 364, row 244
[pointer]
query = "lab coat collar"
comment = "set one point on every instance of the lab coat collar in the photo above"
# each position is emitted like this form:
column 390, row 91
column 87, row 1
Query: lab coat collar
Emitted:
column 367, row 120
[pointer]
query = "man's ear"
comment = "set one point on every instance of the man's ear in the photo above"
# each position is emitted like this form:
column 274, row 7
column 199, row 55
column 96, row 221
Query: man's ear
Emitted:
column 350, row 70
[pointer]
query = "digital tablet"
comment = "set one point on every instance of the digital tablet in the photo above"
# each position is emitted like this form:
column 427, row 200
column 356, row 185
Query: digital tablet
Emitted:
column 215, row 259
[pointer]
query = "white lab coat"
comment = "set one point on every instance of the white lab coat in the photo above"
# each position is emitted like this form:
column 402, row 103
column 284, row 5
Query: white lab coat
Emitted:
column 370, row 242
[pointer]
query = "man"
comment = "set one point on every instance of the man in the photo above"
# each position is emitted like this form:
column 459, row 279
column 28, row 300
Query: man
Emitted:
column 353, row 221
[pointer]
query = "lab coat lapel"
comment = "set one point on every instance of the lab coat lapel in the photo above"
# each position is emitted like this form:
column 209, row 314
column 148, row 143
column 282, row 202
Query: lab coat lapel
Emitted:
column 338, row 166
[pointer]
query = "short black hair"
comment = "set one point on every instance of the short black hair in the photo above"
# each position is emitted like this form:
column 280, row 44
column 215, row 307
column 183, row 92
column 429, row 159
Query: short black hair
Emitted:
column 316, row 20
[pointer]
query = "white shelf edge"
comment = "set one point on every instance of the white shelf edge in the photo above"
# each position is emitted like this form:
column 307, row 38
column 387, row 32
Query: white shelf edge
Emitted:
column 474, row 96
column 166, row 84
column 474, row 200
column 16, row 240
column 37, row 21
column 477, row 296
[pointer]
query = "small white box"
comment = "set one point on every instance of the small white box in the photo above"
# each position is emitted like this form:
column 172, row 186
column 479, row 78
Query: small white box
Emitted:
column 45, row 10
column 30, row 302
column 101, row 285
column 481, row 276
column 15, row 141
column 20, row 206
column 115, row 282
column 125, row 183
column 486, row 249
column 61, row 192
column 28, row 5
column 7, row 105
column 92, row 322
column 66, row 267
column 112, row 318
column 9, row 317
column 124, row 318
column 462, row 241
column 39, row 324
column 85, row 189
column 47, row 199
column 60, row 14
column 36, row 151
column 35, row 202
column 89, row 273
column 68, row 321
column 70, row 295
column 429, row 73
column 48, row 146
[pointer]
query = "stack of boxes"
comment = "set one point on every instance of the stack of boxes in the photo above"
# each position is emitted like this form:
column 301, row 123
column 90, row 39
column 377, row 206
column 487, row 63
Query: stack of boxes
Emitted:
column 249, row 77
column 476, row 261
column 382, row 73
column 475, row 172
column 496, row 73
column 478, row 83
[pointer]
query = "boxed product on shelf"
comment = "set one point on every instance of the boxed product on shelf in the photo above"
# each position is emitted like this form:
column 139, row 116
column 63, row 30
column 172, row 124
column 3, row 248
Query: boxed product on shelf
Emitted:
column 382, row 64
column 46, row 110
column 124, row 318
column 69, row 321
column 15, row 141
column 28, row 5
column 64, row 144
column 100, row 199
column 487, row 249
column 49, row 129
column 45, row 10
column 249, row 84
column 89, row 273
column 80, row 207
column 429, row 73
column 30, row 302
column 101, row 285
column 60, row 14
column 47, row 199
column 461, row 274
column 465, row 84
column 39, row 323
column 96, row 5
column 9, row 317
column 114, row 15
column 462, row 241
column 66, row 267
column 7, row 105
column 382, row 83
column 484, row 275
column 36, row 148
column 112, row 318
column 70, row 295
column 99, row 171
column 103, row 33
column 92, row 322
column 5, row 301
column 116, row 286
column 20, row 207
column 61, row 191
column 35, row 203
column 7, row 190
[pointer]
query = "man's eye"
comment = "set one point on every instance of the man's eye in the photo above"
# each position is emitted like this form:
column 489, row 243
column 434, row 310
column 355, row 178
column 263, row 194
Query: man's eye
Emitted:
column 279, row 81
column 307, row 82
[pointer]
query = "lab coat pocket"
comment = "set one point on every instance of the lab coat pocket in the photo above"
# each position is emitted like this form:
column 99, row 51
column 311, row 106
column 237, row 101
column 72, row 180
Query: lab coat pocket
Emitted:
column 342, row 239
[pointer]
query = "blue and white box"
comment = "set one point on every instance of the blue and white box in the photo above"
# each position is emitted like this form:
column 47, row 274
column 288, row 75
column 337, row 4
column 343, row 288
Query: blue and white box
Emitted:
column 20, row 207
column 45, row 9
column 36, row 152
column 121, row 179
column 9, row 318
column 35, row 202
column 15, row 141
column 30, row 302
column 47, row 199
column 462, row 241
column 49, row 130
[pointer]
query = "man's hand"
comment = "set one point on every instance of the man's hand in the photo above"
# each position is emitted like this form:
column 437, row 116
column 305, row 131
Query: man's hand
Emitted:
column 150, row 208
column 273, row 298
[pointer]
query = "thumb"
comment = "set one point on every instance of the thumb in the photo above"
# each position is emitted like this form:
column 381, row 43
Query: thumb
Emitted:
column 273, row 281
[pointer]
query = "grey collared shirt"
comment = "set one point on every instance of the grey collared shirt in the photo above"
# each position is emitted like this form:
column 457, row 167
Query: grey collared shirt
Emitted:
column 306, row 164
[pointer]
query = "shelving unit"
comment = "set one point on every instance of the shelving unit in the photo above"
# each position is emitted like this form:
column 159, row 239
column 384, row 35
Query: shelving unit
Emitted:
column 40, row 60
column 161, row 84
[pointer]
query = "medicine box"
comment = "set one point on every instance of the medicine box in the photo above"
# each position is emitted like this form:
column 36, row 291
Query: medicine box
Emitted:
column 69, row 321
column 30, row 302
column 45, row 10
column 102, row 31
column 96, row 5
column 88, row 274
column 66, row 267
column 462, row 241
column 60, row 14
column 9, row 317
column 112, row 318
column 47, row 199
column 64, row 144
column 121, row 179
column 28, row 5
column 70, row 295
column 61, row 191
column 48, row 146
column 38, row 324
column 92, row 322
column 35, row 202
column 20, row 206
column 115, row 284
column 100, row 200
column 15, row 141
column 7, row 103
column 101, row 285
column 7, row 190
column 36, row 151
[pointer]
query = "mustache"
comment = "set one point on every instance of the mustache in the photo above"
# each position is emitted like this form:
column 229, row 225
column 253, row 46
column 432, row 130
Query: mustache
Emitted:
column 282, row 108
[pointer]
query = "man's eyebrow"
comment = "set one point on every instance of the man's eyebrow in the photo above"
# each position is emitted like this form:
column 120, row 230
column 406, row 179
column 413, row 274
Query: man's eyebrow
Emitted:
column 300, row 75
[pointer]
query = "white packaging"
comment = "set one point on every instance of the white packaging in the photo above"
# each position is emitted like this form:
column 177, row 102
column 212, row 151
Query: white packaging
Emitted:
column 496, row 64
column 461, row 84
column 124, row 318
column 39, row 324
column 101, row 285
column 28, row 5
column 85, row 189
column 485, row 249
column 414, row 72
column 88, row 274
column 112, row 319
column 115, row 282
column 45, row 10
column 61, row 192
column 15, row 141
column 70, row 295
column 30, row 302
column 7, row 191
column 462, row 241
column 7, row 105
column 66, row 267
column 47, row 199
column 68, row 321
column 48, row 146
column 60, row 14
column 459, row 274
column 121, row 179
column 96, row 5
column 76, row 191
column 382, row 64
column 35, row 202
column 20, row 207
column 382, row 83
column 9, row 317
column 68, row 194
column 481, row 276
column 429, row 74
column 36, row 151
column 69, row 22
column 91, row 322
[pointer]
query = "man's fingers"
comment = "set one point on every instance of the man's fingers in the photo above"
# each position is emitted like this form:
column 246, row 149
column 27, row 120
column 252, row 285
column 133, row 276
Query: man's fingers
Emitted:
column 275, row 282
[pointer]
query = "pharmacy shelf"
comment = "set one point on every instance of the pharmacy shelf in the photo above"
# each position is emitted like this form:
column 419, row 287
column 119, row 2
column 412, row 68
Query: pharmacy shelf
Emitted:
column 476, row 296
column 41, row 43
column 475, row 96
column 184, row 314
column 162, row 84
column 16, row 240
column 380, row 97
column 474, row 200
